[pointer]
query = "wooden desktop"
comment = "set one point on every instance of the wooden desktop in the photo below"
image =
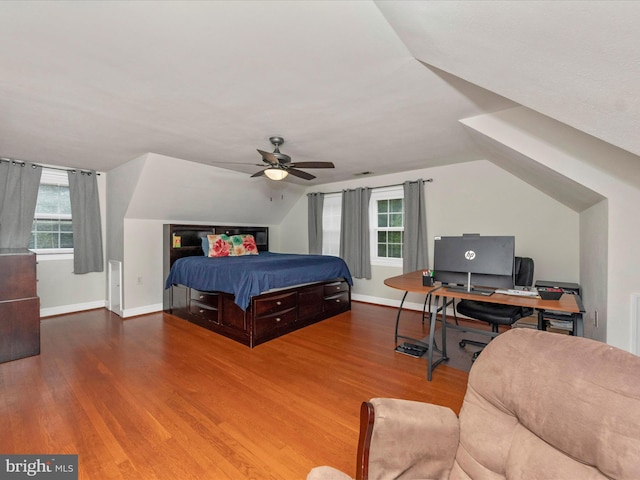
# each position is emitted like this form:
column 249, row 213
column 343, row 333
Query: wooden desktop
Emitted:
column 412, row 283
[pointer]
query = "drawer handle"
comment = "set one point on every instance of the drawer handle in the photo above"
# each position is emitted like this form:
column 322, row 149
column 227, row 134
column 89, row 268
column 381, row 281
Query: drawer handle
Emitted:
column 278, row 319
column 201, row 297
column 338, row 301
column 337, row 288
column 200, row 311
column 278, row 302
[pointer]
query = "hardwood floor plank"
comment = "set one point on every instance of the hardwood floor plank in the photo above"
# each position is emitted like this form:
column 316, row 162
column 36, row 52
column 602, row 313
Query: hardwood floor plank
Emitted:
column 155, row 397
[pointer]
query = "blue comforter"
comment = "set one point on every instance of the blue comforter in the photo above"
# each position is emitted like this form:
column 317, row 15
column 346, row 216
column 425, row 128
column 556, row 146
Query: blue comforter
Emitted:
column 249, row 275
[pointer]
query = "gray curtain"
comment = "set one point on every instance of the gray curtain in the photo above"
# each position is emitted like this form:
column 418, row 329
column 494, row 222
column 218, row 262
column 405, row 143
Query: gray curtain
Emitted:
column 315, row 202
column 354, row 231
column 415, row 249
column 87, row 229
column 19, row 184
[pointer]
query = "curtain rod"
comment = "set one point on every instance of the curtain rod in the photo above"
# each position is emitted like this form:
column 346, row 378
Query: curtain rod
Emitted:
column 429, row 180
column 35, row 165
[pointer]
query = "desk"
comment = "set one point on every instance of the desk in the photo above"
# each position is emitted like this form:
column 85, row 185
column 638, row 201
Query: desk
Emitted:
column 412, row 282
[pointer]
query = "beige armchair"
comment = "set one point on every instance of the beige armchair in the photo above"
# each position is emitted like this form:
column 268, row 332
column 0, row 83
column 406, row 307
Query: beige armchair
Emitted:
column 538, row 405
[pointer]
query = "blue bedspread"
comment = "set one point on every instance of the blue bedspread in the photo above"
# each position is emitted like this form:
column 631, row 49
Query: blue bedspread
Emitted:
column 249, row 275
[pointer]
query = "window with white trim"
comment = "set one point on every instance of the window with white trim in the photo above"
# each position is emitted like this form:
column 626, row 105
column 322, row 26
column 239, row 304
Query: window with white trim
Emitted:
column 386, row 224
column 331, row 217
column 52, row 226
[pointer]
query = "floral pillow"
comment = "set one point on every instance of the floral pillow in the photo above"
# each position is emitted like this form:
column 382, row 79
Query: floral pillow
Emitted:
column 243, row 245
column 219, row 245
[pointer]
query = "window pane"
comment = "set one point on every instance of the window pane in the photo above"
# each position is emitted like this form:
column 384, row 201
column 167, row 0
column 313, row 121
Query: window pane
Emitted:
column 395, row 237
column 46, row 240
column 382, row 250
column 66, row 226
column 395, row 251
column 395, row 220
column 395, row 205
column 383, row 220
column 382, row 237
column 46, row 225
column 383, row 206
column 53, row 199
column 66, row 240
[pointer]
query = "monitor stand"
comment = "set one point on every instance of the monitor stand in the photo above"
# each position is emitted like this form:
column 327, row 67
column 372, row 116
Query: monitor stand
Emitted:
column 470, row 289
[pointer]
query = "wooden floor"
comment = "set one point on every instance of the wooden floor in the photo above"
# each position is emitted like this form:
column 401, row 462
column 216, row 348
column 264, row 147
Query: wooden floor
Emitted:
column 155, row 397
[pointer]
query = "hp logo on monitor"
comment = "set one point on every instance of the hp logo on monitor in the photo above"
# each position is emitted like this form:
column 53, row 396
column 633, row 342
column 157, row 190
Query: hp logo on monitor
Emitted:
column 469, row 254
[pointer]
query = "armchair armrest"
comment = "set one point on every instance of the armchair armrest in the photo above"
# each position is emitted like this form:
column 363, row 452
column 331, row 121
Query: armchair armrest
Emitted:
column 327, row 473
column 406, row 439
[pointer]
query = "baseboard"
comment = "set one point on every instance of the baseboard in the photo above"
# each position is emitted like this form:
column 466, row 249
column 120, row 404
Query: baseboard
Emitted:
column 388, row 302
column 79, row 307
column 76, row 307
column 134, row 312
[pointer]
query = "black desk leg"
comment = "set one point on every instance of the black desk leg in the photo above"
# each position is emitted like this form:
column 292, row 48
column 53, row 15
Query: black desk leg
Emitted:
column 541, row 325
column 398, row 316
column 432, row 328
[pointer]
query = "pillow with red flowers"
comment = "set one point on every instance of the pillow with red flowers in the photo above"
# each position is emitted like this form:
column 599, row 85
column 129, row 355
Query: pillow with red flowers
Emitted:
column 219, row 245
column 243, row 245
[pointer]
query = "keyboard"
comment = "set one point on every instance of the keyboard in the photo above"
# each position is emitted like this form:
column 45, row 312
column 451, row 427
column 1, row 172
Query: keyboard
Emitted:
column 474, row 291
column 518, row 293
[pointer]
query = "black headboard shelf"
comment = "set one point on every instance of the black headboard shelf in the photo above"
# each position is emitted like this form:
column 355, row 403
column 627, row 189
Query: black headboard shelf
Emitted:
column 186, row 240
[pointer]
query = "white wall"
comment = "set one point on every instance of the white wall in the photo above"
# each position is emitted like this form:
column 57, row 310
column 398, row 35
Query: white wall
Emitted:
column 475, row 197
column 594, row 236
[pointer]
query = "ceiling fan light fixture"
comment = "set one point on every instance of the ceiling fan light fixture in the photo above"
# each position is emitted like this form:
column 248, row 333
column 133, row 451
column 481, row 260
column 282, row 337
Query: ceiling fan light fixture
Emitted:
column 276, row 173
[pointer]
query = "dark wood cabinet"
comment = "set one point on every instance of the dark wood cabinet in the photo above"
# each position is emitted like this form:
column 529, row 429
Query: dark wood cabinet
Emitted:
column 19, row 305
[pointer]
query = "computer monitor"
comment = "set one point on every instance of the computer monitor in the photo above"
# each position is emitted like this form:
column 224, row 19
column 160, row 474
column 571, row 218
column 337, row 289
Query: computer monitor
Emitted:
column 472, row 261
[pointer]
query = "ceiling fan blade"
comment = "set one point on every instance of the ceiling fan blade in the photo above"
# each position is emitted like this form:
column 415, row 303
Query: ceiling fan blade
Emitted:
column 268, row 157
column 313, row 165
column 301, row 174
column 258, row 174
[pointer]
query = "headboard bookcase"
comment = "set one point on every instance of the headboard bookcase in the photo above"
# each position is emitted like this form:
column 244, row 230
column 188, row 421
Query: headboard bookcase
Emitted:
column 270, row 314
column 190, row 239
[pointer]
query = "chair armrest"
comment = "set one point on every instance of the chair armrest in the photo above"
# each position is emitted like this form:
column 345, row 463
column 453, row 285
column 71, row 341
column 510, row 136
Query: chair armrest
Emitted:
column 409, row 440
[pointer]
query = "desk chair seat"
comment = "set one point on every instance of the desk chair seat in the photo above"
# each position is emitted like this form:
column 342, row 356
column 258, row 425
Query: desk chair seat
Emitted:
column 493, row 313
column 496, row 314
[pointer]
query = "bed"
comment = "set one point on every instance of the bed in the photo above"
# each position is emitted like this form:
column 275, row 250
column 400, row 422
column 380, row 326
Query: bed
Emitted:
column 249, row 298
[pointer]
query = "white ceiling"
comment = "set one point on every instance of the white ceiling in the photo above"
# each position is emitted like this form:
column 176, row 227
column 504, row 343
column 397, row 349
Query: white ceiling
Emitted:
column 96, row 84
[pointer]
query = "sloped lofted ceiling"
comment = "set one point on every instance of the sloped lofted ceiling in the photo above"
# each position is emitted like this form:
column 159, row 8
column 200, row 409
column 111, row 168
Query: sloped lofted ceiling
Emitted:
column 575, row 63
column 96, row 84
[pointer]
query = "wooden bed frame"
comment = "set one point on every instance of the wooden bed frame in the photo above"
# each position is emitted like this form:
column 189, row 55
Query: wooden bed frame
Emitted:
column 269, row 315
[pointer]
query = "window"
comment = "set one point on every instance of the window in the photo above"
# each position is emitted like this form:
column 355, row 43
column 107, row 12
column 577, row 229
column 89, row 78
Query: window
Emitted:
column 52, row 228
column 331, row 217
column 386, row 222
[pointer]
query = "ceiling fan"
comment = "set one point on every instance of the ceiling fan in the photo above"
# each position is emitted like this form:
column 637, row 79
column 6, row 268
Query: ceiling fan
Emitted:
column 280, row 164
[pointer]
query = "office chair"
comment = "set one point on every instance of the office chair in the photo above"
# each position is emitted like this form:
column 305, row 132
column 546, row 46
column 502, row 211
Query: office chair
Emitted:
column 496, row 314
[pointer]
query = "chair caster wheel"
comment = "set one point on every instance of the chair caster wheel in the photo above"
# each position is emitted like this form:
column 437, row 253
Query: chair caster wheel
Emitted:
column 462, row 343
column 475, row 356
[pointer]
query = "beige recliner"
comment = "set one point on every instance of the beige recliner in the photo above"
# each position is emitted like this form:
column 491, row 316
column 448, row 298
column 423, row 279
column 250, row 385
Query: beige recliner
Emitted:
column 538, row 405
